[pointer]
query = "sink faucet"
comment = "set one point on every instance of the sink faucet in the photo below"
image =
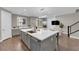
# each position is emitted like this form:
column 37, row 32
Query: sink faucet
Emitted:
column 35, row 28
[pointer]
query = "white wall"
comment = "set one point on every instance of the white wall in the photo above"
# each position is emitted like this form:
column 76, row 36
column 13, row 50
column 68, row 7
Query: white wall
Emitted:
column 0, row 24
column 69, row 19
column 9, row 23
column 14, row 20
column 50, row 26
column 5, row 25
column 29, row 20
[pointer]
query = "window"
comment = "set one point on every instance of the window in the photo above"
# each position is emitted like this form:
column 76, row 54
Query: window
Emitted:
column 19, row 21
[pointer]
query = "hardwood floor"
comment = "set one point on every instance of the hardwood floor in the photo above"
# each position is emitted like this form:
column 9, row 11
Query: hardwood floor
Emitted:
column 15, row 44
column 68, row 44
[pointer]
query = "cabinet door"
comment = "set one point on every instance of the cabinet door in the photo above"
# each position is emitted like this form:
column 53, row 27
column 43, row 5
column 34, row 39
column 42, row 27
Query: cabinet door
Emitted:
column 34, row 44
column 28, row 40
column 15, row 32
column 49, row 44
column 23, row 36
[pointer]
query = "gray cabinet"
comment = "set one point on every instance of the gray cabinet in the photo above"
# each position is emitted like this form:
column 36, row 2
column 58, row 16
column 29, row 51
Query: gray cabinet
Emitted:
column 26, row 39
column 49, row 44
column 15, row 32
column 35, row 44
column 23, row 36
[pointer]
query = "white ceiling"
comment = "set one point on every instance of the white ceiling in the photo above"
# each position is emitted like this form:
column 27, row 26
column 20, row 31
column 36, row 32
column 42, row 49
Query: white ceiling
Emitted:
column 35, row 11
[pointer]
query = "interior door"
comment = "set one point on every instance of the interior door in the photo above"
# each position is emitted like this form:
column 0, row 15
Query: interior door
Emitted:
column 5, row 25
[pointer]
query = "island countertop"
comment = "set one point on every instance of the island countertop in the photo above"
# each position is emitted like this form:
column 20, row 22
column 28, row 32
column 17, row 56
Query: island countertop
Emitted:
column 42, row 34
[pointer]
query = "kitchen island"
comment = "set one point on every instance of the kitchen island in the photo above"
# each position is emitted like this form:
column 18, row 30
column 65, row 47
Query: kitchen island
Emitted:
column 41, row 40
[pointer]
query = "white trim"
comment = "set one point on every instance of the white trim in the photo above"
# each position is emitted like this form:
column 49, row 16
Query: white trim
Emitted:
column 74, row 37
column 4, row 39
column 1, row 40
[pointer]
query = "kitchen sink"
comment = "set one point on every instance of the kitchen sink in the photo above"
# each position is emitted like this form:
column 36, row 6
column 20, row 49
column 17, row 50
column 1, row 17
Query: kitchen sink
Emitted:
column 31, row 31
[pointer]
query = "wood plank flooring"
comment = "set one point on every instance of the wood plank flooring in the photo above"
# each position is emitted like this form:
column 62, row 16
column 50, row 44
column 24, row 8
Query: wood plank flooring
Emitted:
column 68, row 44
column 15, row 44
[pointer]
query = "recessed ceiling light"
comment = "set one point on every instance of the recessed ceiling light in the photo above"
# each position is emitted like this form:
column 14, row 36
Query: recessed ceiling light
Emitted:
column 24, row 9
column 45, row 16
column 42, row 9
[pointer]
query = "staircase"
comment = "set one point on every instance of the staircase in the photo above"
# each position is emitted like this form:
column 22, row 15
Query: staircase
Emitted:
column 70, row 29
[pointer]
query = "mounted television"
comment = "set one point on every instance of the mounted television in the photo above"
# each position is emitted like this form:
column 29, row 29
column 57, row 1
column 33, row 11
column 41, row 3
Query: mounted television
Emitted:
column 56, row 22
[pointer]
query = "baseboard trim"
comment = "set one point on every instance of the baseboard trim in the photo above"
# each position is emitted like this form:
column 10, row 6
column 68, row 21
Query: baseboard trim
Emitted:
column 15, row 35
column 4, row 39
column 1, row 41
column 72, row 36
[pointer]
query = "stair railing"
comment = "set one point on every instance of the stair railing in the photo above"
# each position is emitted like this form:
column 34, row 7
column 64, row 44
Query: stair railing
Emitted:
column 70, row 27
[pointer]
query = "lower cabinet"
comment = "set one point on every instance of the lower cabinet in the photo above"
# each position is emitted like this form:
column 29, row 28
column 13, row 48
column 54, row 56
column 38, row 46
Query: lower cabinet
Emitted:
column 15, row 32
column 48, row 44
column 35, row 44
column 26, row 39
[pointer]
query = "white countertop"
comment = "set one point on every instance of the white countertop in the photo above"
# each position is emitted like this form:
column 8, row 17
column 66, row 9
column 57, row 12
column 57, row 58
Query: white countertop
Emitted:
column 19, row 28
column 42, row 34
column 25, row 30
